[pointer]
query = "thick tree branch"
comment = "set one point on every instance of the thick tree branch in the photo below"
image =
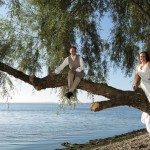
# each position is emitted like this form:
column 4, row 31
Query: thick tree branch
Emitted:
column 17, row 74
column 137, row 100
column 117, row 97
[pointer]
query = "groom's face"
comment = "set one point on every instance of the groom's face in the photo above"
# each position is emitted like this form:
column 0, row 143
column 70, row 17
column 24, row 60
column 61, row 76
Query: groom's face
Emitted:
column 73, row 51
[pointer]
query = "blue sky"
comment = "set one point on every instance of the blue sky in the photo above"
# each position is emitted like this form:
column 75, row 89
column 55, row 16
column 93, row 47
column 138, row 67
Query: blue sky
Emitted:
column 25, row 92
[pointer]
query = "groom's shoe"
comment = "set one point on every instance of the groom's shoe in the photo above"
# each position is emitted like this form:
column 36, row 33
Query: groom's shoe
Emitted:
column 69, row 94
column 66, row 94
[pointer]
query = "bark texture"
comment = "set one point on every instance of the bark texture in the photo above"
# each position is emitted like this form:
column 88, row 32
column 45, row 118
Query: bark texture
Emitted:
column 116, row 97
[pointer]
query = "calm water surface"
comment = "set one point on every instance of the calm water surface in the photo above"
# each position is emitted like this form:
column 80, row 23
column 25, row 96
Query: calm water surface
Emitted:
column 40, row 126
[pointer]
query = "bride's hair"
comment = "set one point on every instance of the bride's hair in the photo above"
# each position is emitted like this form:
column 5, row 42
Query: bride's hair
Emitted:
column 146, row 54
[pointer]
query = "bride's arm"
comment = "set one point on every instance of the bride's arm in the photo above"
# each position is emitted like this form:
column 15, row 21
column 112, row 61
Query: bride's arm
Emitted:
column 136, row 79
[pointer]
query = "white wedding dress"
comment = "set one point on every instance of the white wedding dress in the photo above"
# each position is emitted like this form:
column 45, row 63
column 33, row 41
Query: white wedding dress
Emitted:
column 145, row 85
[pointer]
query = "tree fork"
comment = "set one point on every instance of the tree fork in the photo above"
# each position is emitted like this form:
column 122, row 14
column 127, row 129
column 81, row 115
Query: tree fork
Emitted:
column 138, row 100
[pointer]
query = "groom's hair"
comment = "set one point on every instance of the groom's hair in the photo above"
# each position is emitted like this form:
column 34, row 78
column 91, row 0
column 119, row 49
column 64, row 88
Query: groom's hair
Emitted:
column 73, row 47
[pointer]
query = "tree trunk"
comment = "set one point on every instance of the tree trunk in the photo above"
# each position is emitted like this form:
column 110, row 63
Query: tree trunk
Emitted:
column 116, row 97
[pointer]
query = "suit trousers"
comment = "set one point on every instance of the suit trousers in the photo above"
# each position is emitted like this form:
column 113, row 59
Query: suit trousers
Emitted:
column 74, row 79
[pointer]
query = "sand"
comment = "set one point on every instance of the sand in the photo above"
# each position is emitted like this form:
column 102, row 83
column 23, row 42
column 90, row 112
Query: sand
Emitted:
column 135, row 140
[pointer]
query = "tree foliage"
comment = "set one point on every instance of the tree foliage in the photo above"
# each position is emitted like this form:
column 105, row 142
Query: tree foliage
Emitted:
column 45, row 31
column 130, row 31
column 36, row 35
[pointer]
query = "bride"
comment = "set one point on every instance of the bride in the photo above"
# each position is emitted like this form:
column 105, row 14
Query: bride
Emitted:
column 143, row 71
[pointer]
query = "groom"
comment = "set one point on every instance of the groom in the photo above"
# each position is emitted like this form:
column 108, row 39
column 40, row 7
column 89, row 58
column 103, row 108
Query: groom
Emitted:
column 75, row 73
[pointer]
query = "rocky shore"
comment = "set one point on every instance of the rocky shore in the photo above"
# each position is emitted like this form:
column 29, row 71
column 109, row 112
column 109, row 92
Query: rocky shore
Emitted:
column 135, row 140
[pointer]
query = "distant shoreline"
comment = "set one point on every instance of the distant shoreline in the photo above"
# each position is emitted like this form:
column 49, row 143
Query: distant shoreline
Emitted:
column 134, row 140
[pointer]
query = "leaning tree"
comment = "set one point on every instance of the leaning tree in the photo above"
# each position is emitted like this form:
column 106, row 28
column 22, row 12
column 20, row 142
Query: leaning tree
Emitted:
column 36, row 36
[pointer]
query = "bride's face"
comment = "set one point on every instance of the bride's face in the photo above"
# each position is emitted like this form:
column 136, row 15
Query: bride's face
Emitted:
column 143, row 57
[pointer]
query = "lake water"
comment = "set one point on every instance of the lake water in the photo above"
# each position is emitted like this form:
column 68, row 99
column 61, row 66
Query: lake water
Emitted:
column 39, row 126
